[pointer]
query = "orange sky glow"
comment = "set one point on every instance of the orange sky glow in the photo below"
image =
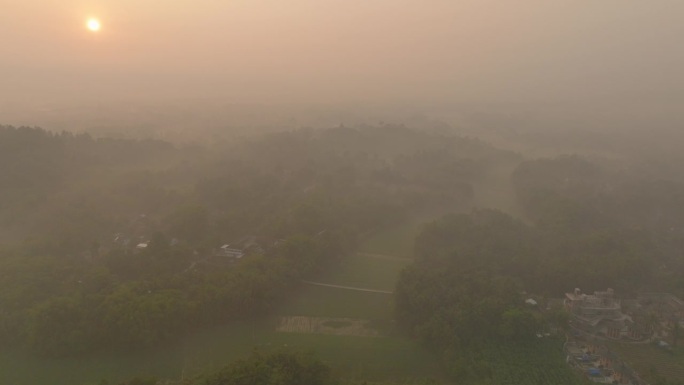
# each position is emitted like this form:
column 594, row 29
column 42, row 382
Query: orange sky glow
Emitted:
column 338, row 50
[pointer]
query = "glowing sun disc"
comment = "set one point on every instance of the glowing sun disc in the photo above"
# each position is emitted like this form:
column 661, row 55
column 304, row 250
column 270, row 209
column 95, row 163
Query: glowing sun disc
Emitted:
column 93, row 25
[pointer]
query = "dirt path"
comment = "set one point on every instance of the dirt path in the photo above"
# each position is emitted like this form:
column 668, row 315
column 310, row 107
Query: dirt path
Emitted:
column 348, row 287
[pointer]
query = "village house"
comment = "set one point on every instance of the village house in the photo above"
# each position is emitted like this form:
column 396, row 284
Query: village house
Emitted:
column 597, row 363
column 663, row 313
column 598, row 314
column 228, row 252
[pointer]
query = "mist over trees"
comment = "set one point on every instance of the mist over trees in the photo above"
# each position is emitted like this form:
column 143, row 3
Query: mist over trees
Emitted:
column 81, row 281
column 356, row 192
column 115, row 245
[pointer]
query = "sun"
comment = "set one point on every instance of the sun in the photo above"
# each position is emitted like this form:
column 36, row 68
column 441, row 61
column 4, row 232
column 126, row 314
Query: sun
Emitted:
column 93, row 25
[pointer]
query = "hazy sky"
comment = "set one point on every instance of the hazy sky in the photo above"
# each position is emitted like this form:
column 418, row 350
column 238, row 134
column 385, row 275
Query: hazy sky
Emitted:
column 344, row 50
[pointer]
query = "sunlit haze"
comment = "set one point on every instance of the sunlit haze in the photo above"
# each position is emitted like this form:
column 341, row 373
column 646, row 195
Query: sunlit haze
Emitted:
column 272, row 51
column 341, row 192
column 93, row 25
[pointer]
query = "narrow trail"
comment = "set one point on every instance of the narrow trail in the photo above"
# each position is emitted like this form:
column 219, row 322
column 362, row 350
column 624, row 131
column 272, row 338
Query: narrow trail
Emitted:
column 348, row 287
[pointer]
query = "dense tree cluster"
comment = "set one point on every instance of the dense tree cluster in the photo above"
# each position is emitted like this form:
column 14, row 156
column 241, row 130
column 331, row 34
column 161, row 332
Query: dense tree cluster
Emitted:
column 269, row 367
column 274, row 368
column 465, row 285
column 74, row 208
column 77, row 282
column 69, row 309
column 620, row 212
column 464, row 291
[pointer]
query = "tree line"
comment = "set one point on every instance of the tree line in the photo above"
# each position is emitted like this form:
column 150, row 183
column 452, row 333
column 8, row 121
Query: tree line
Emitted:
column 71, row 286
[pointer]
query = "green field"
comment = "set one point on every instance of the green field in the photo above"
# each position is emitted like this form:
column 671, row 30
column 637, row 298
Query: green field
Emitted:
column 320, row 301
column 397, row 240
column 366, row 271
column 373, row 359
column 353, row 357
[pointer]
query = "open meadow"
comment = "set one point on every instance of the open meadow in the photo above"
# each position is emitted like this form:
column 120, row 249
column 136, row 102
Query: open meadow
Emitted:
column 385, row 358
column 320, row 301
column 368, row 358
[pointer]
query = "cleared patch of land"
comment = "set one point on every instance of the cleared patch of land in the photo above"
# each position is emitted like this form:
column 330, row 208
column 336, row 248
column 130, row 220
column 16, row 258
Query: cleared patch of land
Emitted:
column 396, row 240
column 352, row 357
column 355, row 358
column 399, row 240
column 377, row 267
column 358, row 286
column 322, row 301
column 495, row 190
column 370, row 271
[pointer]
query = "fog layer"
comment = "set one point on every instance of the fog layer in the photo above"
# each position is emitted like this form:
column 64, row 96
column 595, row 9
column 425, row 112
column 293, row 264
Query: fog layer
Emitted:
column 274, row 51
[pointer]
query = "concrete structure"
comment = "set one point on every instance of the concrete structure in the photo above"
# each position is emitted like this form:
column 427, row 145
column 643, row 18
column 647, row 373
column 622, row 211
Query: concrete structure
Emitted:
column 599, row 313
column 228, row 252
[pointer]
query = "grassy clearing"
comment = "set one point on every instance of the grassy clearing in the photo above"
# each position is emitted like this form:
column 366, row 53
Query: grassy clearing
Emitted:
column 495, row 190
column 318, row 301
column 365, row 271
column 372, row 359
column 20, row 369
column 359, row 270
column 378, row 359
column 396, row 240
column 365, row 358
column 390, row 358
column 399, row 240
